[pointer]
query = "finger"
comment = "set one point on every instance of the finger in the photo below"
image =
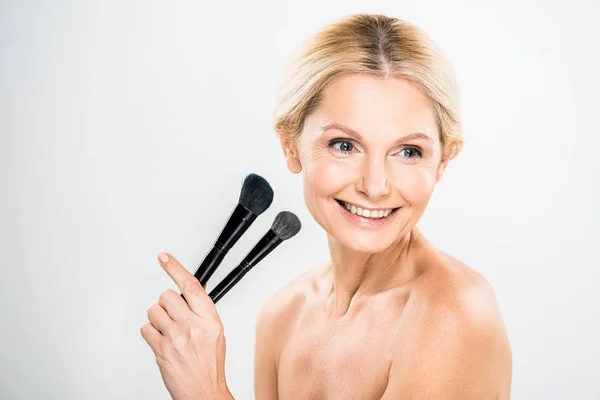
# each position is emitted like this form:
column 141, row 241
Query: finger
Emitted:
column 159, row 318
column 175, row 306
column 188, row 284
column 152, row 336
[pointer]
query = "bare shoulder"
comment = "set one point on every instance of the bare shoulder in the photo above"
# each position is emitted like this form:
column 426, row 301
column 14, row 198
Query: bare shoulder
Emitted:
column 273, row 325
column 452, row 295
column 452, row 329
column 451, row 288
column 283, row 307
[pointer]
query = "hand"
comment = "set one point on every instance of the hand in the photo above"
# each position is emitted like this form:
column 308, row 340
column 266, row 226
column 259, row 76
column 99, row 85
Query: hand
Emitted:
column 187, row 338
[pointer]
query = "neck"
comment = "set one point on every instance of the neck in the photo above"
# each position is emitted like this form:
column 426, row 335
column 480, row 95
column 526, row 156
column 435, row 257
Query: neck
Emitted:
column 357, row 274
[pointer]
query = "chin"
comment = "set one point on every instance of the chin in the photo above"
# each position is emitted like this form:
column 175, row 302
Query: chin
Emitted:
column 364, row 242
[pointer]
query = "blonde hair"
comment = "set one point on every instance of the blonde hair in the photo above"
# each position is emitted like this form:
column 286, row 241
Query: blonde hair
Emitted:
column 375, row 45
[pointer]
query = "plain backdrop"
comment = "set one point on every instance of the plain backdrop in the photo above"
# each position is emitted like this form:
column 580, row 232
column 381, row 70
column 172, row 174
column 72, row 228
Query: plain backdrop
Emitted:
column 127, row 128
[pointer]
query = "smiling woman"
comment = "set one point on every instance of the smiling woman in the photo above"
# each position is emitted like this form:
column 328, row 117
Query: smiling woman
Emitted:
column 368, row 113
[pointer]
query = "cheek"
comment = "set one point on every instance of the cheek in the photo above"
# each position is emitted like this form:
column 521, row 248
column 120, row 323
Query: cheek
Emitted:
column 415, row 184
column 325, row 175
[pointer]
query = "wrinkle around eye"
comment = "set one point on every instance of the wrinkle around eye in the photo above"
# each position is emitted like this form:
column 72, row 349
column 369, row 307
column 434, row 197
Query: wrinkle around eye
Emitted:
column 317, row 153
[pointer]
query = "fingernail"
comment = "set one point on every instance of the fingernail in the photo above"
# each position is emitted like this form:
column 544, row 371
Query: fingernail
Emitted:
column 163, row 257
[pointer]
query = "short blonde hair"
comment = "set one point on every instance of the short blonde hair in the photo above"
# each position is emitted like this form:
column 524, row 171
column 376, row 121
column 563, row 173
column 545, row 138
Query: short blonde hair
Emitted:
column 375, row 45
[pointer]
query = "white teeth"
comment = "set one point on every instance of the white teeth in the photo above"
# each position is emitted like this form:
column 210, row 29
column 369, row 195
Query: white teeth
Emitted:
column 373, row 214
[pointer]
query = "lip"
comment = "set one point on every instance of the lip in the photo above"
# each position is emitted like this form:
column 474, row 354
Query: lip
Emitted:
column 366, row 222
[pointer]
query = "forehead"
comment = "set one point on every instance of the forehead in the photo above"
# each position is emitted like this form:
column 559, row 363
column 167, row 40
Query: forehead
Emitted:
column 368, row 103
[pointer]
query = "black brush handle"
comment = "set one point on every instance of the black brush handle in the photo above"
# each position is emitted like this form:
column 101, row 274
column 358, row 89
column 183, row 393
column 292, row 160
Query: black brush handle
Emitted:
column 267, row 244
column 264, row 246
column 238, row 223
column 228, row 282
column 210, row 263
column 240, row 220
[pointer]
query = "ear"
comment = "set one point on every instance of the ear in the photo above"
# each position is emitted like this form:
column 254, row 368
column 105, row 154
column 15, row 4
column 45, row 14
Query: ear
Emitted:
column 441, row 169
column 290, row 152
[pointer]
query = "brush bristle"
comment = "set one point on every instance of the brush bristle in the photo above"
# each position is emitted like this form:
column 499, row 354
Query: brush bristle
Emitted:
column 286, row 225
column 256, row 194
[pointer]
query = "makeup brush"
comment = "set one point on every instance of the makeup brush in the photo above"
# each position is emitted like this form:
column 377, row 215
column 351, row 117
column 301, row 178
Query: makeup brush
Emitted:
column 285, row 225
column 256, row 196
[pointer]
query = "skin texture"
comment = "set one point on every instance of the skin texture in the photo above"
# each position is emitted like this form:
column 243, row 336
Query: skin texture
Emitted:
column 187, row 338
column 390, row 316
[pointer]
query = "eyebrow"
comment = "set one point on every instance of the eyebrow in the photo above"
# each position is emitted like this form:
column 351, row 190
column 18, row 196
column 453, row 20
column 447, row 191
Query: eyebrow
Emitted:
column 356, row 135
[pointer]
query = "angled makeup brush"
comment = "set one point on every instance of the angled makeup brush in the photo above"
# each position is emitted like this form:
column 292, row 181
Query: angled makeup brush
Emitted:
column 256, row 196
column 285, row 225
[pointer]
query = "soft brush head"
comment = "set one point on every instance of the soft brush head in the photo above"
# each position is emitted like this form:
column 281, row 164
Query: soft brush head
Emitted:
column 286, row 225
column 256, row 194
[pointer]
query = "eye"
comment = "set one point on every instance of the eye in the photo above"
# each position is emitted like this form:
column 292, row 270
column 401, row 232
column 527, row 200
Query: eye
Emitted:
column 343, row 146
column 411, row 152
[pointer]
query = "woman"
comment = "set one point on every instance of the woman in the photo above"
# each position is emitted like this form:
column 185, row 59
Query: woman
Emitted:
column 368, row 113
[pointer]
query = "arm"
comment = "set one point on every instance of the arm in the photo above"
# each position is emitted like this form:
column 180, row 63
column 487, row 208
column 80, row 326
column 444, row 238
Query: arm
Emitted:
column 452, row 348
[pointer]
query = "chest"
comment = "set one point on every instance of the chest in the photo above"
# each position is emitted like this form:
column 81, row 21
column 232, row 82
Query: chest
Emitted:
column 336, row 361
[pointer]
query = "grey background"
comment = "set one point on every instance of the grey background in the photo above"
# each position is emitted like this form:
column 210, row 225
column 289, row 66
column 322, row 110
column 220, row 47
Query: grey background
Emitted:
column 128, row 126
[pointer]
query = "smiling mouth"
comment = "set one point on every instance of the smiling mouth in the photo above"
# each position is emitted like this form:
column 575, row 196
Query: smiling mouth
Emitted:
column 367, row 213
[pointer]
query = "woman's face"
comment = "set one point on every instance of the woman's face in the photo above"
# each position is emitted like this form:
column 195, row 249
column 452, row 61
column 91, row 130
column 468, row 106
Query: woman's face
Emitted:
column 372, row 148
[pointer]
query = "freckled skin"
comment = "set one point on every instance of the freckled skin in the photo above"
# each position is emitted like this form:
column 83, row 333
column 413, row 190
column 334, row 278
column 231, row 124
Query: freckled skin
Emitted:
column 390, row 316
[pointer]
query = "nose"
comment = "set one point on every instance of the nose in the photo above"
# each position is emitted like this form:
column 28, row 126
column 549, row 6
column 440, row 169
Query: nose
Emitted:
column 374, row 181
